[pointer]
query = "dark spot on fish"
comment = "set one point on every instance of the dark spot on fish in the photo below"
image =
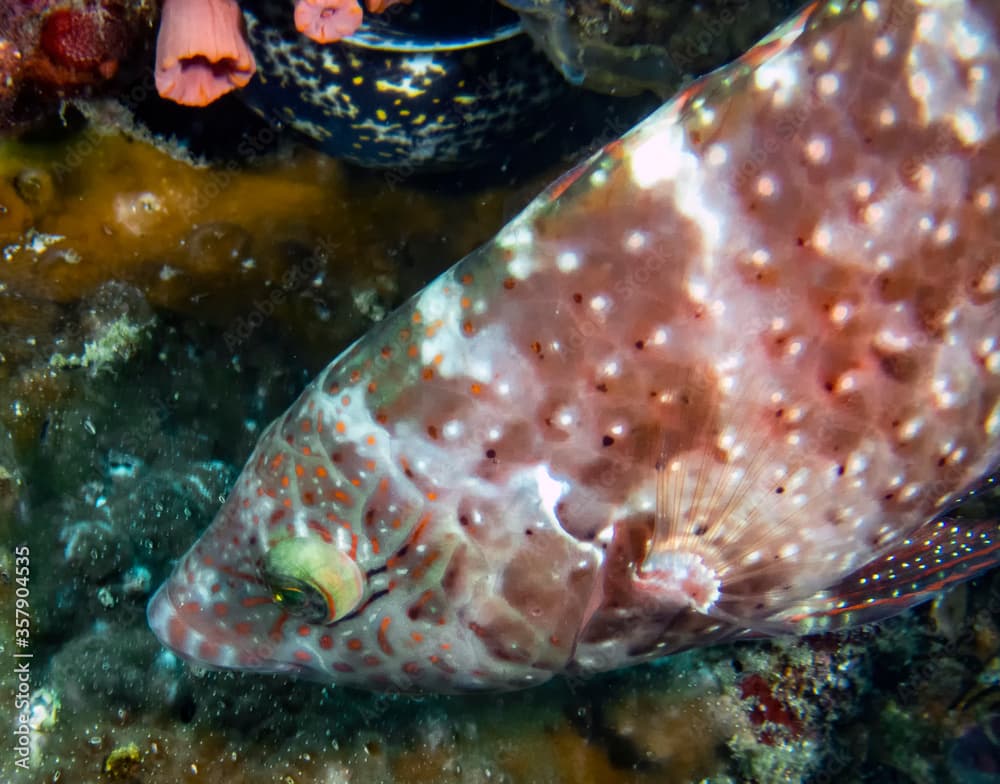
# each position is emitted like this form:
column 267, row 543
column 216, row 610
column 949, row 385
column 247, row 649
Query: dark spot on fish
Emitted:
column 840, row 470
column 491, row 454
column 528, row 532
column 463, row 520
column 607, row 441
column 639, row 345
column 578, row 298
column 432, row 431
column 509, row 283
column 779, row 490
column 602, row 387
column 701, row 530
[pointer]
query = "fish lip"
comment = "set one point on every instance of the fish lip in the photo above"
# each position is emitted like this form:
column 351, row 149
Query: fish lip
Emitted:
column 182, row 637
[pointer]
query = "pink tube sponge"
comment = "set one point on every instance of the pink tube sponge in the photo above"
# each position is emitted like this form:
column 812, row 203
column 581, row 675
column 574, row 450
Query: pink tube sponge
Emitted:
column 325, row 21
column 201, row 51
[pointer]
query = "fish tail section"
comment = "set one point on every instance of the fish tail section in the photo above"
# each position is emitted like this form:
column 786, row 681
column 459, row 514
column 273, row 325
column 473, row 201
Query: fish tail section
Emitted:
column 942, row 553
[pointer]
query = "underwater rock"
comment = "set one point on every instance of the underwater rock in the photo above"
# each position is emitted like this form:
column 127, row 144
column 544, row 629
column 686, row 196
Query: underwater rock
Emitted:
column 622, row 48
column 974, row 758
column 94, row 549
column 12, row 501
column 110, row 666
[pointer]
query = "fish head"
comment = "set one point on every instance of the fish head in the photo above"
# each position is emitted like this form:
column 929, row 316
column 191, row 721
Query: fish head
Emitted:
column 227, row 606
column 303, row 572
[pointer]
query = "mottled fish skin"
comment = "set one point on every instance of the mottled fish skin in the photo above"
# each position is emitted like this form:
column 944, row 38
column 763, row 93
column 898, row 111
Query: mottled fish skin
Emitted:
column 745, row 351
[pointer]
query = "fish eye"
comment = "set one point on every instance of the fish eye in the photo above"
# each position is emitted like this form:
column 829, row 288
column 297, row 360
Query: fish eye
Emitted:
column 313, row 579
column 298, row 598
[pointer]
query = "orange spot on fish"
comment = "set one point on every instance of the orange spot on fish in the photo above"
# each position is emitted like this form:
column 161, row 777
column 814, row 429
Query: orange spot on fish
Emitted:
column 318, row 528
column 417, row 636
column 276, row 632
column 243, row 628
column 354, row 644
column 326, row 642
column 255, row 601
column 221, row 609
column 302, row 656
column 340, row 426
column 383, row 640
column 177, row 632
column 321, row 472
column 419, row 529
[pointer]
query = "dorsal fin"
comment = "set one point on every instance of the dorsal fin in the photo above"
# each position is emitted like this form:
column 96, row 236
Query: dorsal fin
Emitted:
column 938, row 555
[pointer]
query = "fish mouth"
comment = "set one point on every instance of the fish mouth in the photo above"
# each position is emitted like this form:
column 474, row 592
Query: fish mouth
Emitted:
column 195, row 634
